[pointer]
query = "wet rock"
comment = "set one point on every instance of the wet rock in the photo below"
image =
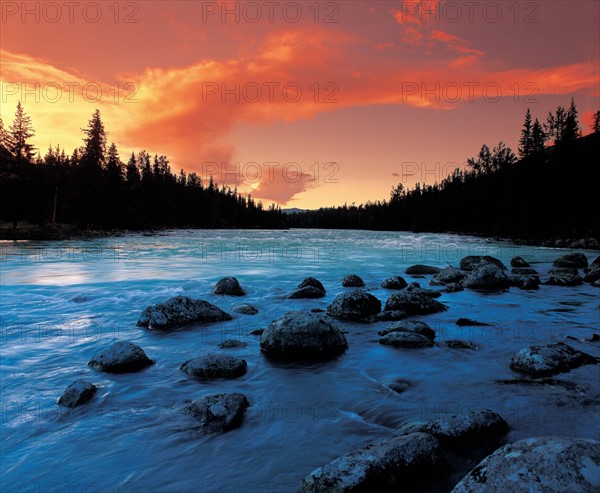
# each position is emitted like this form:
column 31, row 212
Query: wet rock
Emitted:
column 462, row 431
column 453, row 287
column 302, row 335
column 474, row 262
column 307, row 292
column 420, row 269
column 466, row 322
column 488, row 277
column 595, row 264
column 549, row 359
column 563, row 277
column 179, row 311
column 229, row 286
column 592, row 276
column 405, row 340
column 256, row 332
column 541, row 464
column 524, row 271
column 595, row 338
column 395, row 282
column 352, row 281
column 399, row 386
column 215, row 366
column 245, row 309
column 414, row 326
column 413, row 303
column 400, row 461
column 391, row 316
column 447, row 276
column 311, row 281
column 461, row 344
column 596, row 284
column 219, row 413
column 415, row 287
column 572, row 260
column 232, row 344
column 79, row 392
column 525, row 282
column 518, row 262
column 355, row 305
column 121, row 357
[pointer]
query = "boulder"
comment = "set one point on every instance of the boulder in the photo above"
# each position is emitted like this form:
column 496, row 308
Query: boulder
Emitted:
column 395, row 282
column 232, row 344
column 420, row 269
column 572, row 260
column 414, row 326
column 400, row 461
column 447, row 276
column 592, row 276
column 461, row 344
column 311, row 281
column 299, row 335
column 179, row 311
column 355, row 305
column 215, row 366
column 541, row 464
column 453, row 287
column 406, row 340
column 549, row 359
column 399, row 386
column 596, row 284
column 413, row 303
column 219, row 413
column 563, row 277
column 518, row 262
column 307, row 292
column 79, row 392
column 488, row 277
column 467, row 322
column 391, row 316
column 595, row 264
column 525, row 282
column 256, row 332
column 415, row 287
column 352, row 281
column 524, row 271
column 473, row 262
column 245, row 309
column 121, row 357
column 229, row 286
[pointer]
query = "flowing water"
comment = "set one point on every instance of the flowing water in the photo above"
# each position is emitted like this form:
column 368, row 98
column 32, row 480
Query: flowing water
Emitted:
column 61, row 302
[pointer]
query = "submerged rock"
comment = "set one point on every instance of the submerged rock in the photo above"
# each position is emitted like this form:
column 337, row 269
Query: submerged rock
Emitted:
column 524, row 271
column 474, row 262
column 525, row 282
column 179, row 311
column 406, row 340
column 121, row 357
column 414, row 303
column 420, row 269
column 415, row 287
column 232, row 344
column 352, row 281
column 572, row 260
column 466, row 322
column 307, row 292
column 549, row 359
column 592, row 276
column 541, row 464
column 402, row 461
column 302, row 335
column 79, row 392
column 219, row 413
column 229, row 286
column 447, row 276
column 453, row 287
column 399, row 386
column 488, row 277
column 518, row 262
column 245, row 309
column 461, row 344
column 355, row 305
column 215, row 366
column 395, row 282
column 414, row 326
column 563, row 277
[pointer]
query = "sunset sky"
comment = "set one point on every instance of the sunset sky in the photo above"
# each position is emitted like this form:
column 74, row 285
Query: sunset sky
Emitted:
column 358, row 94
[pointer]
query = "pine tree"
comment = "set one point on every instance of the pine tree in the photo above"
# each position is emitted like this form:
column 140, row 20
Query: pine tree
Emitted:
column 526, row 141
column 596, row 123
column 132, row 172
column 5, row 146
column 114, row 166
column 502, row 156
column 20, row 132
column 538, row 137
column 571, row 130
column 94, row 150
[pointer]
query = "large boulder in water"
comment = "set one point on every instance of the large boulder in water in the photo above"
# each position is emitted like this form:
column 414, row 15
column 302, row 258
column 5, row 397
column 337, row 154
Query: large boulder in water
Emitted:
column 415, row 326
column 572, row 260
column 121, row 357
column 311, row 281
column 307, row 292
column 472, row 262
column 215, row 366
column 408, row 340
column 488, row 277
column 549, row 359
column 229, row 286
column 302, row 335
column 179, row 311
column 563, row 276
column 592, row 276
column 355, row 305
column 79, row 392
column 518, row 262
column 447, row 276
column 541, row 464
column 352, row 281
column 401, row 462
column 413, row 303
column 218, row 413
column 420, row 269
column 395, row 282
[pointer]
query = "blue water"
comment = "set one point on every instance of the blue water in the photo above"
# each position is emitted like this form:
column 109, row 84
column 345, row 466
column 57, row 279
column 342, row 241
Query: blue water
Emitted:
column 61, row 302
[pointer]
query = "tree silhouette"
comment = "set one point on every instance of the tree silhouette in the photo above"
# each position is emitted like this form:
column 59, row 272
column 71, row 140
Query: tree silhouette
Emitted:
column 538, row 138
column 571, row 130
column 596, row 122
column 21, row 131
column 526, row 141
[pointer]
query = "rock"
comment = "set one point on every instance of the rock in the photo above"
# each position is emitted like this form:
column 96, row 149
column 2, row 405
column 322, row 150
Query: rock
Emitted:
column 391, row 316
column 413, row 285
column 563, row 277
column 179, row 311
column 525, row 282
column 399, row 386
column 462, row 431
column 405, row 340
column 573, row 260
column 460, row 344
column 256, row 332
column 219, row 413
column 311, row 281
column 453, row 287
column 518, row 262
column 541, row 464
column 352, row 281
column 395, row 282
column 422, row 269
column 232, row 344
column 596, row 284
column 79, row 392
column 466, row 322
column 404, row 461
column 447, row 276
column 524, row 271
column 215, row 366
column 308, row 292
column 488, row 277
column 355, row 305
column 414, row 326
column 426, row 292
column 229, row 286
column 595, row 264
column 302, row 335
column 592, row 276
column 595, row 338
column 549, row 359
column 413, row 303
column 474, row 262
column 245, row 309
column 121, row 357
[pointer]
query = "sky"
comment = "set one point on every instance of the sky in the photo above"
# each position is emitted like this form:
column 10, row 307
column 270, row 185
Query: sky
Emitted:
column 306, row 104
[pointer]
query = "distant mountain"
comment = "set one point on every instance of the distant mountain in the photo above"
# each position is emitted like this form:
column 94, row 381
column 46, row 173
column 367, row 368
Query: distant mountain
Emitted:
column 293, row 210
